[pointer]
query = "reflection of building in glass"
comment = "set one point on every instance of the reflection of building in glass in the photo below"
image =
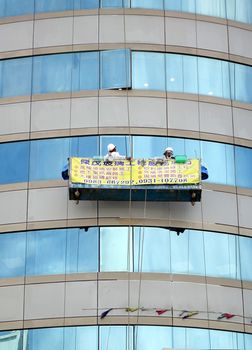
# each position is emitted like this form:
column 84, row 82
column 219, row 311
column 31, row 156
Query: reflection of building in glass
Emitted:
column 76, row 76
column 14, row 340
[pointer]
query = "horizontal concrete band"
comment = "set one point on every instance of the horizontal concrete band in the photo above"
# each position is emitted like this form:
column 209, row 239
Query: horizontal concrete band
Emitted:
column 135, row 112
column 222, row 209
column 80, row 300
column 210, row 53
column 136, row 276
column 131, row 320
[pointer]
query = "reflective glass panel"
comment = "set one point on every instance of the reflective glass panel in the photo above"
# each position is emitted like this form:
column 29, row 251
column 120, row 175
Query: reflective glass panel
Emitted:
column 153, row 338
column 243, row 166
column 148, row 4
column 245, row 248
column 111, row 337
column 82, row 250
column 85, row 71
column 115, row 3
column 151, row 250
column 180, row 5
column 86, row 4
column 52, row 73
column 15, row 8
column 222, row 255
column 14, row 158
column 12, row 254
column 79, row 338
column 115, row 249
column 16, row 77
column 115, row 69
column 45, row 338
column 148, row 71
column 46, row 252
column 47, row 158
column 213, row 76
column 53, row 5
column 181, row 73
column 215, row 8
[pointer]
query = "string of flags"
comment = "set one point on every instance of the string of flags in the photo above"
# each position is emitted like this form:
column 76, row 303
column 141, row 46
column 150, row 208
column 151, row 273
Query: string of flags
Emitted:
column 184, row 314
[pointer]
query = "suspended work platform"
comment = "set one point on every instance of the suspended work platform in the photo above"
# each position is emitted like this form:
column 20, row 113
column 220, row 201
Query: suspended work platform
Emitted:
column 178, row 179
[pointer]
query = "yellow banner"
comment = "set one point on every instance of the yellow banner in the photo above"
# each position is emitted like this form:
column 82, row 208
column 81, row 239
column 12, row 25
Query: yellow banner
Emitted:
column 137, row 172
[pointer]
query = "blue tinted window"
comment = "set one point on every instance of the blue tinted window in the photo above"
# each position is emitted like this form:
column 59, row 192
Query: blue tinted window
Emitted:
column 241, row 82
column 46, row 252
column 180, row 5
column 151, row 250
column 14, row 8
column 16, row 77
column 115, row 247
column 82, row 250
column 222, row 257
column 53, row 5
column 14, row 158
column 115, row 3
column 85, row 71
column 52, row 73
column 243, row 166
column 215, row 8
column 46, row 338
column 85, row 146
column 181, row 73
column 240, row 10
column 86, row 4
column 153, row 338
column 111, row 337
column 114, row 69
column 12, row 254
column 148, row 4
column 213, row 77
column 148, row 71
column 47, row 158
column 122, row 144
column 245, row 258
column 79, row 338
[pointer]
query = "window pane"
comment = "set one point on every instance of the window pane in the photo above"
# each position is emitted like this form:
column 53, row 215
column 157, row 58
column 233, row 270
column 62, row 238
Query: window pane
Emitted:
column 148, row 4
column 215, row 8
column 240, row 10
column 86, row 4
column 180, row 5
column 115, row 249
column 122, row 144
column 16, row 77
column 243, row 166
column 222, row 257
column 14, row 158
column 53, row 5
column 46, row 252
column 148, row 71
column 213, row 77
column 181, row 73
column 48, row 158
column 115, row 3
column 115, row 337
column 115, row 69
column 151, row 250
column 52, row 73
column 46, row 338
column 153, row 338
column 242, row 82
column 16, row 8
column 221, row 165
column 12, row 254
column 85, row 146
column 82, row 250
column 85, row 71
column 151, row 147
column 245, row 258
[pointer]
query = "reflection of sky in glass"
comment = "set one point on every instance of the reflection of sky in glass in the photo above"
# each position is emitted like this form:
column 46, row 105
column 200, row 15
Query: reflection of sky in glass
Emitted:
column 59, row 251
column 134, row 337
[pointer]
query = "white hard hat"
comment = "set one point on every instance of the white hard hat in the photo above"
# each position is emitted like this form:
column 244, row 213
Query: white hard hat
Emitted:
column 111, row 147
column 168, row 149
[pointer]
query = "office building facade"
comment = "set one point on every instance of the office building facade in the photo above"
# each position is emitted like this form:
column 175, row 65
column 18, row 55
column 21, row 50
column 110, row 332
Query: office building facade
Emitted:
column 76, row 75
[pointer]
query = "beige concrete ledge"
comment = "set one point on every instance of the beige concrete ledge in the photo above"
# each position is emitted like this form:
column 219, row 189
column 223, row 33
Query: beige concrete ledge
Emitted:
column 124, row 320
column 13, row 227
column 133, row 46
